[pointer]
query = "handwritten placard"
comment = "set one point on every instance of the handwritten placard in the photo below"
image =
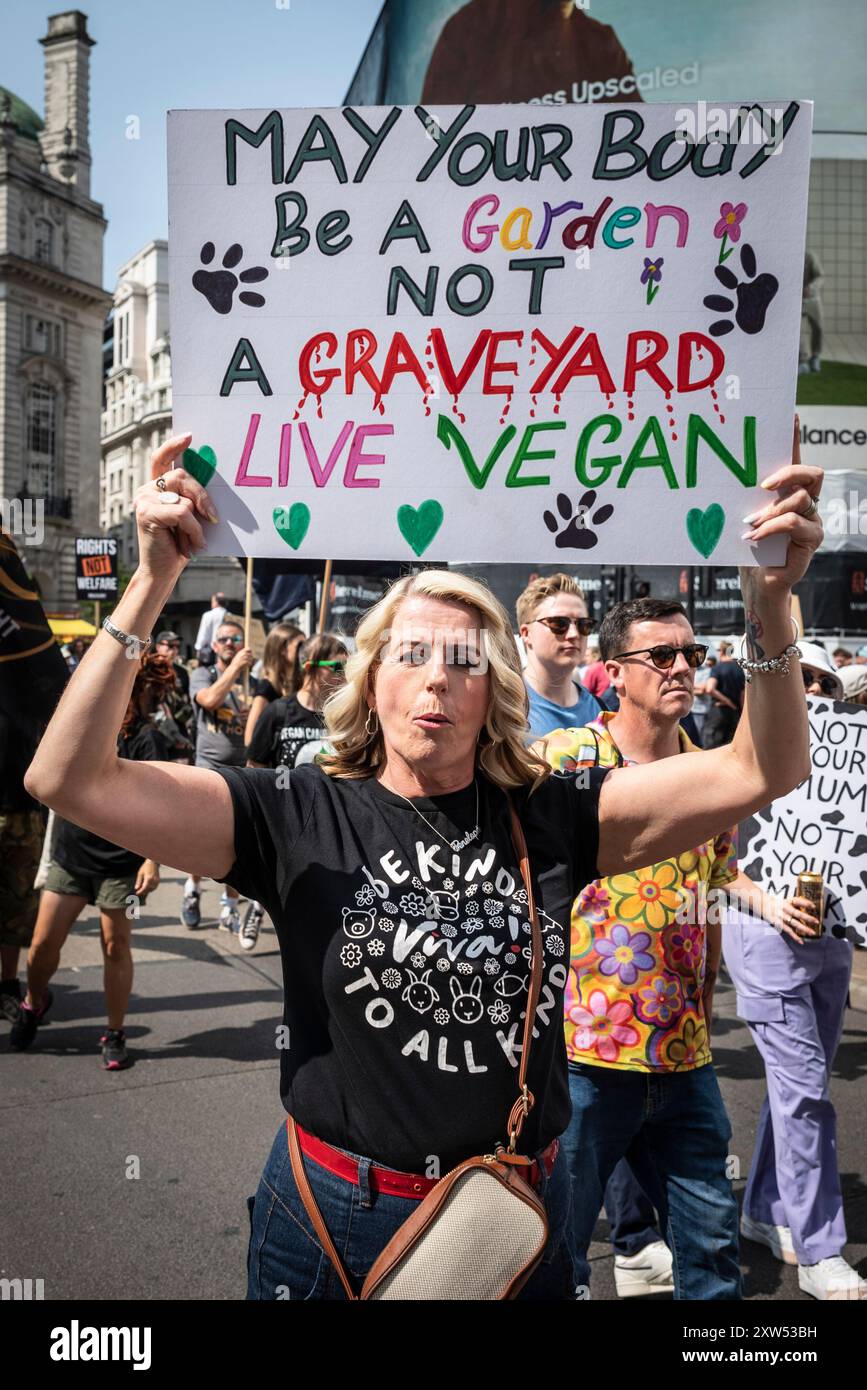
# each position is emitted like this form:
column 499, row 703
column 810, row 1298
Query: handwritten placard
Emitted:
column 821, row 827
column 487, row 333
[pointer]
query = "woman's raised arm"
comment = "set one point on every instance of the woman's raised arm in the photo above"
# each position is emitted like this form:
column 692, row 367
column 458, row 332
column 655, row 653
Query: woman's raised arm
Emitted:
column 651, row 812
column 172, row 814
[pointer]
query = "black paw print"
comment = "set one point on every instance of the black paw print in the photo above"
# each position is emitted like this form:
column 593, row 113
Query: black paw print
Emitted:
column 218, row 286
column 576, row 535
column 753, row 297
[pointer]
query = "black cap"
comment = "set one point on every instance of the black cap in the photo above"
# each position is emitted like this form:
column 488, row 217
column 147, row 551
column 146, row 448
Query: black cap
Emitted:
column 168, row 637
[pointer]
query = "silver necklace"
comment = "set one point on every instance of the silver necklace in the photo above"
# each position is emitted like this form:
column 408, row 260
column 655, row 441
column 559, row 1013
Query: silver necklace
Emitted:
column 455, row 845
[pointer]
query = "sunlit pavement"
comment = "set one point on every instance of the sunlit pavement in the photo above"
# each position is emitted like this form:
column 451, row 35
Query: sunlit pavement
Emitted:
column 196, row 1114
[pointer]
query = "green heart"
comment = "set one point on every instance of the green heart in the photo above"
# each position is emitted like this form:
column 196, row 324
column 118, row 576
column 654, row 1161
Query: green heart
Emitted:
column 704, row 528
column 419, row 526
column 292, row 525
column 202, row 463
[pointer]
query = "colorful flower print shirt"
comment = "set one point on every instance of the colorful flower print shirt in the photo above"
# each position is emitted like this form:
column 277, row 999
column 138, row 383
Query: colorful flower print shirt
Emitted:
column 633, row 996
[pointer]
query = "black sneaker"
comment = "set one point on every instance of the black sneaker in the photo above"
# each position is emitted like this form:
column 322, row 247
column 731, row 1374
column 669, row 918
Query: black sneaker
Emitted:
column 24, row 1031
column 190, row 914
column 114, row 1054
column 10, row 999
column 253, row 919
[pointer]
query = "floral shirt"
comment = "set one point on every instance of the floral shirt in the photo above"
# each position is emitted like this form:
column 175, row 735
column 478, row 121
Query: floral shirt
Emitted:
column 633, row 996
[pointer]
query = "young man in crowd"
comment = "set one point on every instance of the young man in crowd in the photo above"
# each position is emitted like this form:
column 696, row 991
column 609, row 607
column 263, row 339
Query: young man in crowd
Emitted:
column 640, row 987
column 210, row 622
column 726, row 690
column 221, row 715
column 554, row 625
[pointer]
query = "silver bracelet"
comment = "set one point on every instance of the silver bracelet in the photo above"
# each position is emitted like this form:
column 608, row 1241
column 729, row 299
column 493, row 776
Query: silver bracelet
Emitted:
column 135, row 647
column 775, row 665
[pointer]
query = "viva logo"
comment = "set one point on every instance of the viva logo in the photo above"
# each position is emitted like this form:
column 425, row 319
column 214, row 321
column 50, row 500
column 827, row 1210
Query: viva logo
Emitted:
column 407, row 940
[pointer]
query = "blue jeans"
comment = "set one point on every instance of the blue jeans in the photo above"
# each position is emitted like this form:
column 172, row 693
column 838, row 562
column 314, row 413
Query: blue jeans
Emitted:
column 674, row 1129
column 631, row 1218
column 286, row 1261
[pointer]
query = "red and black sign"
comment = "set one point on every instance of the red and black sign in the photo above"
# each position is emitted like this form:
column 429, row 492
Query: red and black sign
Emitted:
column 96, row 567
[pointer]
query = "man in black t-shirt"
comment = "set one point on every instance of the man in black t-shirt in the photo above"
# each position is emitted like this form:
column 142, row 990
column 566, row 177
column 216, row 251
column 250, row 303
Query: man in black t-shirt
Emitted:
column 726, row 690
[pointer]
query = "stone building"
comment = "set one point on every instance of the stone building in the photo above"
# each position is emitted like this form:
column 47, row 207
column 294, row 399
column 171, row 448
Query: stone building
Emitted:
column 52, row 307
column 136, row 419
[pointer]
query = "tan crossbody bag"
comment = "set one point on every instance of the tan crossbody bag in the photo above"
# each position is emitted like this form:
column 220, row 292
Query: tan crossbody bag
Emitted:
column 483, row 1229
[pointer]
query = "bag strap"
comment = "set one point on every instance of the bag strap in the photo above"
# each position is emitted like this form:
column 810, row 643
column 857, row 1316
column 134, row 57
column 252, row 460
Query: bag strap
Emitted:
column 306, row 1193
column 525, row 1102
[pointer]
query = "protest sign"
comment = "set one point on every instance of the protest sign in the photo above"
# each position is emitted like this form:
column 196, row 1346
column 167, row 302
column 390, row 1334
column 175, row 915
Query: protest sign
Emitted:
column 96, row 567
column 820, row 827
column 487, row 333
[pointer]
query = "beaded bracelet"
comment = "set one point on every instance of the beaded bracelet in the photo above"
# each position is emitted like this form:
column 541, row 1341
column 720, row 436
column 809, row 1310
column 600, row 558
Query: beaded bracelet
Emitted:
column 773, row 666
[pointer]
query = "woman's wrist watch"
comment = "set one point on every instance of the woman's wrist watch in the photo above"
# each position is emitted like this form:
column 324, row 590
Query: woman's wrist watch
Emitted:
column 135, row 647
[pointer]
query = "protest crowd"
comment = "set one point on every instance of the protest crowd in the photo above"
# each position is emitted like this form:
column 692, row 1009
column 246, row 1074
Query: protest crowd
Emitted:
column 324, row 763
column 519, row 302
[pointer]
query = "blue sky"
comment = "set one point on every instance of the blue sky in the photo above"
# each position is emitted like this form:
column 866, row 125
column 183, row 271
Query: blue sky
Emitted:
column 150, row 57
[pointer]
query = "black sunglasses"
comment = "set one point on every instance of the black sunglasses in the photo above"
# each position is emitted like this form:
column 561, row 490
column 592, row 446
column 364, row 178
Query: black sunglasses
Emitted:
column 560, row 626
column 664, row 657
column 826, row 684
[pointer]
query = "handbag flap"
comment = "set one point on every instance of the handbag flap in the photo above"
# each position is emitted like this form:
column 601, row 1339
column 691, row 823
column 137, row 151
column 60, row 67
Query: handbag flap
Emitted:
column 478, row 1236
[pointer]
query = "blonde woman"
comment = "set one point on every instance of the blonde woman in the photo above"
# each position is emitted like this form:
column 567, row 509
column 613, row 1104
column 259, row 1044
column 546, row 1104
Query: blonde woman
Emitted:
column 279, row 675
column 392, row 881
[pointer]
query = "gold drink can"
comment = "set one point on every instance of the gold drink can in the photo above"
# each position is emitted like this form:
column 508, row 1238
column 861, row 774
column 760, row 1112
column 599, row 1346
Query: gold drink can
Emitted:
column 810, row 886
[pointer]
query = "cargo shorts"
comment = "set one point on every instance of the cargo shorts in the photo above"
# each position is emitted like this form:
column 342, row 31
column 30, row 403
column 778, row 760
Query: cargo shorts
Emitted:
column 20, row 850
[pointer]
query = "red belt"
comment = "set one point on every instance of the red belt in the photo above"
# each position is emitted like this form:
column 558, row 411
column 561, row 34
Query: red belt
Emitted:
column 389, row 1180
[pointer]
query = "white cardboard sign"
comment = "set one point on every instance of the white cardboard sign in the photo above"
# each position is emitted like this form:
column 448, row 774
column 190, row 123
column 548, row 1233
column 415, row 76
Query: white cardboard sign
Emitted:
column 487, row 333
column 820, row 827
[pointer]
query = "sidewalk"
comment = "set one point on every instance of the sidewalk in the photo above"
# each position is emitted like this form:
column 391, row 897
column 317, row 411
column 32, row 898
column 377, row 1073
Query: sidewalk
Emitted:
column 133, row 1184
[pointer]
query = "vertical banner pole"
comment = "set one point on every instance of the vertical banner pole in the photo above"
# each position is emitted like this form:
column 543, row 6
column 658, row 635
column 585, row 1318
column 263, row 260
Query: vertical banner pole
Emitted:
column 248, row 621
column 97, row 614
column 323, row 602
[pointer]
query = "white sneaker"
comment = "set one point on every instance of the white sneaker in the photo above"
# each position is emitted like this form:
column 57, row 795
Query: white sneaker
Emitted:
column 778, row 1239
column 230, row 917
column 831, row 1278
column 648, row 1272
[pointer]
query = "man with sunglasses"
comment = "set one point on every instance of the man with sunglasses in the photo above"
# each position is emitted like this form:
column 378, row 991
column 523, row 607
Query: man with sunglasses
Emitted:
column 554, row 627
column 221, row 715
column 640, row 988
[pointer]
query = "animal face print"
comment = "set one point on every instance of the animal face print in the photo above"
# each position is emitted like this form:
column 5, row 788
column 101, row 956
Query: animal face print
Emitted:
column 443, row 906
column 438, row 958
column 357, row 925
column 419, row 994
column 467, row 1005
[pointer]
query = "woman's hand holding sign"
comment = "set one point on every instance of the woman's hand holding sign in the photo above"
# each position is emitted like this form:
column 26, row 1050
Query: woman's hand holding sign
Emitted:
column 795, row 514
column 169, row 512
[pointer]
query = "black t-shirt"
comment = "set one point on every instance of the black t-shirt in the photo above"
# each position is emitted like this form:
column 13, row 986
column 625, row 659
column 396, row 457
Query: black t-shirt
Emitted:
column 405, row 962
column 730, row 681
column 282, row 731
column 78, row 850
column 265, row 689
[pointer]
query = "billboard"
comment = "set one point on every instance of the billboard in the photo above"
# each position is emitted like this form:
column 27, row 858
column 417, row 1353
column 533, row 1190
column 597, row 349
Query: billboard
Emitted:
column 558, row 55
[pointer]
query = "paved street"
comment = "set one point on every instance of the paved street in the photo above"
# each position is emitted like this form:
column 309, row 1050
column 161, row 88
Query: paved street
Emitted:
column 200, row 1107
